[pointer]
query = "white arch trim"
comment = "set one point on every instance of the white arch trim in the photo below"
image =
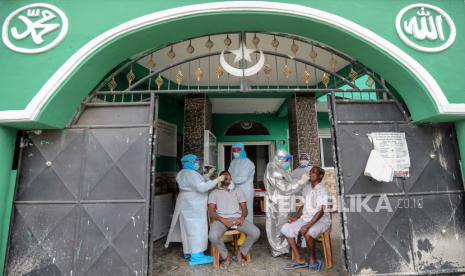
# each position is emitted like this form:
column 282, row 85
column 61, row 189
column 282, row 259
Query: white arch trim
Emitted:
column 38, row 101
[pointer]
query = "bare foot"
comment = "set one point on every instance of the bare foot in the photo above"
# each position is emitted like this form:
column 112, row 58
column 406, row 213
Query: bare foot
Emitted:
column 227, row 262
column 241, row 259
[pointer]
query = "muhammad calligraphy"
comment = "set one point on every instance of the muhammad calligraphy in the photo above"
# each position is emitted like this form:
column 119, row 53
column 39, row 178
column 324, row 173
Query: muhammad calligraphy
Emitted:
column 34, row 28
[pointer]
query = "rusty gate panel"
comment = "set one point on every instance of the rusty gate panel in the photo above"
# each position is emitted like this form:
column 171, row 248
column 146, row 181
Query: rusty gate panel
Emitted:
column 81, row 204
column 425, row 231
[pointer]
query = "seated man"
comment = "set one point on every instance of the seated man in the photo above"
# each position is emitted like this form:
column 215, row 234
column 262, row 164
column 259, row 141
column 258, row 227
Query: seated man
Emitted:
column 310, row 219
column 227, row 205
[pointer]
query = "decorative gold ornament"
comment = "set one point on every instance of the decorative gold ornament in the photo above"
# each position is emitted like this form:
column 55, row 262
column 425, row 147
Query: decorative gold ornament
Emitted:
column 325, row 79
column 370, row 82
column 198, row 74
column 227, row 41
column 130, row 76
column 333, row 63
column 171, row 54
column 313, row 54
column 255, row 41
column 267, row 69
column 307, row 76
column 294, row 48
column 275, row 43
column 112, row 84
column 159, row 81
column 219, row 71
column 151, row 63
column 353, row 75
column 287, row 71
column 209, row 44
column 179, row 77
column 190, row 49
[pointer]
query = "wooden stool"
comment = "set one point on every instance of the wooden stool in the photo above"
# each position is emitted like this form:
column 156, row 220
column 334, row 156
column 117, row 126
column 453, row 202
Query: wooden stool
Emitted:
column 216, row 254
column 325, row 239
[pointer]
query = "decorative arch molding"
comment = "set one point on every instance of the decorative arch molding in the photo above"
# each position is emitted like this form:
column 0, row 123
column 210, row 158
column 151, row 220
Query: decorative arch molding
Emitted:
column 54, row 85
column 246, row 127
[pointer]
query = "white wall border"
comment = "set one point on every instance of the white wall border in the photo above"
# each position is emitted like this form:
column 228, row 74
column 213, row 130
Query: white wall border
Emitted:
column 38, row 101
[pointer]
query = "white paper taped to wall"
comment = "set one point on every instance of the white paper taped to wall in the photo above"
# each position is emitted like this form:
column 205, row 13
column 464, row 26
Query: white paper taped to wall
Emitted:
column 377, row 168
column 392, row 147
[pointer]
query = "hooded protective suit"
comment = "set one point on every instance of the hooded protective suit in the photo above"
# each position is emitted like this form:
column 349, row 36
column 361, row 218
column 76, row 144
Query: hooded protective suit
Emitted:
column 279, row 187
column 189, row 224
column 242, row 172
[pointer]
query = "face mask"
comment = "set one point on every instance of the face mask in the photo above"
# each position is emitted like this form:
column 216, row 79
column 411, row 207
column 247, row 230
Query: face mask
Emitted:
column 231, row 185
column 236, row 154
column 304, row 163
column 196, row 166
column 286, row 166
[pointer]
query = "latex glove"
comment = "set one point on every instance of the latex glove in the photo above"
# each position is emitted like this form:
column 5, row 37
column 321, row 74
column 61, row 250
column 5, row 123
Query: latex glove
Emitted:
column 219, row 179
column 304, row 179
column 210, row 172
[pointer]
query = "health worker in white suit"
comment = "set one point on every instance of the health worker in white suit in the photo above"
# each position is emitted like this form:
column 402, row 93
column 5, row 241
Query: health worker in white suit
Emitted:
column 242, row 172
column 189, row 224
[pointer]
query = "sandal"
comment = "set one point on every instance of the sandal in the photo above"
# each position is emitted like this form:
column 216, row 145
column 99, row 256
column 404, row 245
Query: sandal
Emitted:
column 315, row 268
column 294, row 265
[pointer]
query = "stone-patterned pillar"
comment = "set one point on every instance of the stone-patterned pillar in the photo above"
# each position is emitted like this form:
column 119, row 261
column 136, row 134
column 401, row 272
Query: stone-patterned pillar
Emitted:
column 303, row 128
column 197, row 117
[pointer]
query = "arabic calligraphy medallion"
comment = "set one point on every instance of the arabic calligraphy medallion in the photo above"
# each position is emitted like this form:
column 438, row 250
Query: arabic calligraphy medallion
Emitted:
column 425, row 28
column 34, row 28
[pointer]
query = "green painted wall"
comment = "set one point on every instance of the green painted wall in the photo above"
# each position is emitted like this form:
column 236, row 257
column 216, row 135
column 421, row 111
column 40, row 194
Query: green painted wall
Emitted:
column 323, row 120
column 277, row 126
column 7, row 186
column 22, row 76
column 380, row 19
column 170, row 109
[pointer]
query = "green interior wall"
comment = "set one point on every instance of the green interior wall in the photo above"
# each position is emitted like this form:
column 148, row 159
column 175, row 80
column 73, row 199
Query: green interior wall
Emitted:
column 323, row 120
column 7, row 187
column 170, row 109
column 277, row 126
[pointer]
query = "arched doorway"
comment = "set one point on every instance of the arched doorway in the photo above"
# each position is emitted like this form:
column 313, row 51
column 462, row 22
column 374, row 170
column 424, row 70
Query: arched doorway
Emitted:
column 169, row 80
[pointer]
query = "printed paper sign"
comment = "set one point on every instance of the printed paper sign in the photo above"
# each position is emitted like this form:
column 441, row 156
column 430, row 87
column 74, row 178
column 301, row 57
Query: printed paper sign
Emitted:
column 392, row 146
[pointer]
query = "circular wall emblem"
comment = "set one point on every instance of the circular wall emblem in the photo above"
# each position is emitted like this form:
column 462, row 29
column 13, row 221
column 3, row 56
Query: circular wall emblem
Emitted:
column 34, row 28
column 425, row 28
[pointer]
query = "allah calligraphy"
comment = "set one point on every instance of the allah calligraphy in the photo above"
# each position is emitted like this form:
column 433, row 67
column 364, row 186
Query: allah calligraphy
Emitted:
column 425, row 28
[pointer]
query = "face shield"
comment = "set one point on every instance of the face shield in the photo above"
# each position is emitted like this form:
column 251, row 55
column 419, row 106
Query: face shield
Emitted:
column 191, row 162
column 284, row 159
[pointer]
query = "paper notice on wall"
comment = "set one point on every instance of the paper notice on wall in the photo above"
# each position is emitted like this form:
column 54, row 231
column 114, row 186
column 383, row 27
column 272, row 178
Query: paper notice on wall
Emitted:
column 392, row 147
column 378, row 168
column 167, row 135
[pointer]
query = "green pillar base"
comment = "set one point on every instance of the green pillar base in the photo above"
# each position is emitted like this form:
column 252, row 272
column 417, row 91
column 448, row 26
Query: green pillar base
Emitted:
column 7, row 183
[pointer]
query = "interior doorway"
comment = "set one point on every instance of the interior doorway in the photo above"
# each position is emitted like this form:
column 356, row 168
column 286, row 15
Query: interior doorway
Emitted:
column 259, row 153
